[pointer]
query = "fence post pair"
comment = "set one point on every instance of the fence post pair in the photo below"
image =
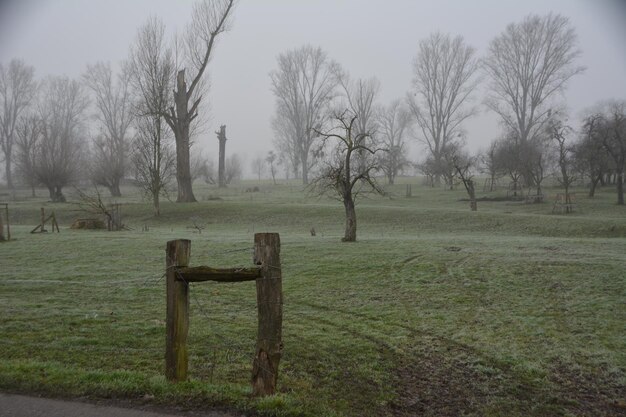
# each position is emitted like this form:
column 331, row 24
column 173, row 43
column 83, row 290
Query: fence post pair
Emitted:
column 268, row 277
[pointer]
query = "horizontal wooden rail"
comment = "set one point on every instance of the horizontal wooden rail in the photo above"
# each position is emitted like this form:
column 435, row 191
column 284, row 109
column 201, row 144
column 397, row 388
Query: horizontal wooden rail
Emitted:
column 206, row 273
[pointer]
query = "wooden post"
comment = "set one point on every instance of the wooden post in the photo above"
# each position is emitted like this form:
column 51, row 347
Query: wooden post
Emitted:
column 270, row 309
column 43, row 220
column 177, row 319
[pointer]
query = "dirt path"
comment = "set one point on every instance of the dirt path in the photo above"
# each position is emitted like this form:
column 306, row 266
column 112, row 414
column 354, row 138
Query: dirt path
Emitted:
column 23, row 406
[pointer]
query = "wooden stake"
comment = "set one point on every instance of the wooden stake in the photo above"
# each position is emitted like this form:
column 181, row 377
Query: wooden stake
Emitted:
column 43, row 220
column 177, row 319
column 270, row 307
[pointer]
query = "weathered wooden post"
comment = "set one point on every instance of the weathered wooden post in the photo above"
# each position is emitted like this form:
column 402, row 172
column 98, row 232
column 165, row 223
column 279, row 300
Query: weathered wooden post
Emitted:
column 177, row 321
column 270, row 307
column 43, row 220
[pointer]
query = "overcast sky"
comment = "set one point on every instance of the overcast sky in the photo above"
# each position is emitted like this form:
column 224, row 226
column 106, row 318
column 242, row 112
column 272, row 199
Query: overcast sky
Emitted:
column 367, row 37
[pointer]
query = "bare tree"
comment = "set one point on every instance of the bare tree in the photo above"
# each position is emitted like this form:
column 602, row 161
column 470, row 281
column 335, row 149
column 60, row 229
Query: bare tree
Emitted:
column 361, row 95
column 60, row 151
column 28, row 133
column 444, row 78
column 286, row 144
column 233, row 169
column 489, row 164
column 114, row 113
column 612, row 130
column 536, row 160
column 508, row 160
column 528, row 64
column 342, row 177
column 258, row 166
column 590, row 153
column 17, row 89
column 271, row 160
column 393, row 124
column 198, row 165
column 209, row 173
column 463, row 165
column 565, row 159
column 209, row 20
column 153, row 158
column 303, row 84
column 151, row 68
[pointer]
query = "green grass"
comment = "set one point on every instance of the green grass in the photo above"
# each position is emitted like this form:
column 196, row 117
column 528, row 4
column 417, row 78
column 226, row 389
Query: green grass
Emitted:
column 508, row 311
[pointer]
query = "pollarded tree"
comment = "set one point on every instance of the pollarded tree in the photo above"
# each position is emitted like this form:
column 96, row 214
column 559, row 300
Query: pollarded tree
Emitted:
column 61, row 148
column 303, row 85
column 346, row 174
column 527, row 65
column 114, row 113
column 209, row 20
column 444, row 78
column 393, row 123
column 17, row 90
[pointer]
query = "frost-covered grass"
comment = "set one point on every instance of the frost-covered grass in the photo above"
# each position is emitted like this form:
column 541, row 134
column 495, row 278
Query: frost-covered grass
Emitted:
column 509, row 311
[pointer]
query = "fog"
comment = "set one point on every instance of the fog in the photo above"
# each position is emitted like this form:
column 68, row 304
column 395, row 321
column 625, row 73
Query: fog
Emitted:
column 368, row 38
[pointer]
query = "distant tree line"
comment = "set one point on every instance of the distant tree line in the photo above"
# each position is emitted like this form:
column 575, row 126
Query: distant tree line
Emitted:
column 139, row 120
column 525, row 69
column 136, row 122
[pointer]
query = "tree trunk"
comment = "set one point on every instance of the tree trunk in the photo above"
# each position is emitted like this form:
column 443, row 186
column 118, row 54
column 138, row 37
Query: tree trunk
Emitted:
column 114, row 189
column 156, row 205
column 305, row 175
column 1, row 229
column 32, row 191
column 472, row 195
column 594, row 184
column 57, row 194
column 350, row 233
column 7, row 166
column 221, row 137
column 181, row 133
column 620, row 188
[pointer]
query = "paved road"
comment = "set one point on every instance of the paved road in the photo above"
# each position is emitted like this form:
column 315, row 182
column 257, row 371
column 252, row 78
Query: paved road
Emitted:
column 23, row 406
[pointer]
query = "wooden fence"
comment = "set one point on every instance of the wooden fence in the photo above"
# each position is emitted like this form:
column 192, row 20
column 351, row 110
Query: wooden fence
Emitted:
column 267, row 274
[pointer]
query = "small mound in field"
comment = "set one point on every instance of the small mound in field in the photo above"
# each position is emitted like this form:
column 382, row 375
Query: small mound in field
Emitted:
column 88, row 224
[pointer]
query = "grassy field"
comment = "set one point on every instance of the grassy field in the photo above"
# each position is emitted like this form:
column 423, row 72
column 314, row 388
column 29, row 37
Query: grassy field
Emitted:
column 435, row 311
